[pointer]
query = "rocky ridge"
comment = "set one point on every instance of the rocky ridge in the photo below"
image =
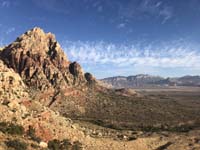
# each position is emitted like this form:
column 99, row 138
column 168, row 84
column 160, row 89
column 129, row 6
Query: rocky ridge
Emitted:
column 43, row 66
column 41, row 62
column 148, row 81
column 48, row 125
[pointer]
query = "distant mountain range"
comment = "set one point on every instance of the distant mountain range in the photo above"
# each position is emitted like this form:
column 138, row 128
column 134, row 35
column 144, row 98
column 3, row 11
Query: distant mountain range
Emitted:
column 145, row 80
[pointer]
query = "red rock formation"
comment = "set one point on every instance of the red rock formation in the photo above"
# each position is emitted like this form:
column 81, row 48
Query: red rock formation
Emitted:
column 41, row 62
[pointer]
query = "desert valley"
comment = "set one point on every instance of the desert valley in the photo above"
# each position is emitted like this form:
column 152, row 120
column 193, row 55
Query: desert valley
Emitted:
column 49, row 102
column 99, row 75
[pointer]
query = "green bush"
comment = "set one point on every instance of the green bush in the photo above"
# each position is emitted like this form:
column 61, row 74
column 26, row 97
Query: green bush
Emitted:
column 54, row 145
column 35, row 146
column 77, row 146
column 64, row 145
column 31, row 134
column 16, row 145
column 11, row 128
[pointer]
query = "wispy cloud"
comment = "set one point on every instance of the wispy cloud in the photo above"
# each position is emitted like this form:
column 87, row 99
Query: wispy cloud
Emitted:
column 157, row 8
column 10, row 30
column 6, row 33
column 54, row 5
column 100, row 8
column 146, row 8
column 8, row 3
column 166, row 13
column 121, row 25
column 1, row 43
column 5, row 3
column 133, row 55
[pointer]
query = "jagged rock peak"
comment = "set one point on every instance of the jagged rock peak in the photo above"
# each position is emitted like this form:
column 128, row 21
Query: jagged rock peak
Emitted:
column 41, row 62
column 36, row 41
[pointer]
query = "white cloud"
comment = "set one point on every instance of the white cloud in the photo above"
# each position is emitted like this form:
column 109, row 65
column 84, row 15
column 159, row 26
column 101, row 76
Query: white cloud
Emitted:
column 166, row 13
column 10, row 30
column 100, row 8
column 54, row 5
column 146, row 8
column 121, row 25
column 123, row 55
column 4, row 3
column 1, row 43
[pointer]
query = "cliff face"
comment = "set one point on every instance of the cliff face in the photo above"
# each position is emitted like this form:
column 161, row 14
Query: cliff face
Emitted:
column 41, row 62
column 12, row 86
column 42, row 65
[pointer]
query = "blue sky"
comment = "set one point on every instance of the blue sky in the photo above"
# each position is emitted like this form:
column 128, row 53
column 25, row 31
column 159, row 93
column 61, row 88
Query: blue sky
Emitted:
column 114, row 37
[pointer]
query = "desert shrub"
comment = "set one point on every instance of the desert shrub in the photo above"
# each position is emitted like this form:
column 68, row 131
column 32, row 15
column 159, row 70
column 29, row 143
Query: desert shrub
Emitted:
column 31, row 134
column 150, row 129
column 15, row 129
column 3, row 125
column 163, row 147
column 54, row 144
column 182, row 128
column 16, row 145
column 132, row 138
column 11, row 128
column 64, row 145
column 34, row 146
column 77, row 146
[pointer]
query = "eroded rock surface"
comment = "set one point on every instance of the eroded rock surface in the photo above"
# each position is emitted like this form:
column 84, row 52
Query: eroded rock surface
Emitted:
column 11, row 85
column 41, row 62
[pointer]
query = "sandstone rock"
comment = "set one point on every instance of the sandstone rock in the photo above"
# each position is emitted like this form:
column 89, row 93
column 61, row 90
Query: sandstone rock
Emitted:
column 12, row 86
column 43, row 66
column 90, row 78
column 43, row 144
column 13, row 105
column 76, row 70
column 41, row 62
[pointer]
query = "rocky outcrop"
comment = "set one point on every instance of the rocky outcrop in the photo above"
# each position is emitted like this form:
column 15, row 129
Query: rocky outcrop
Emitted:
column 40, row 61
column 77, row 72
column 90, row 78
column 11, row 85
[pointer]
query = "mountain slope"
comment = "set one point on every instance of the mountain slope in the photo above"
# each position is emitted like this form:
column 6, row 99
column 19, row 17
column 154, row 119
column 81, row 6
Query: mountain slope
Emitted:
column 27, row 124
column 38, row 58
column 41, row 89
column 41, row 62
column 141, row 80
column 12, row 87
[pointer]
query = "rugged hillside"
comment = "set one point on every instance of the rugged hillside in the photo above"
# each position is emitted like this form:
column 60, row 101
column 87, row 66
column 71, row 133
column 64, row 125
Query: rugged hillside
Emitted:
column 140, row 80
column 12, row 86
column 41, row 62
column 38, row 58
column 40, row 89
column 25, row 124
column 148, row 81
